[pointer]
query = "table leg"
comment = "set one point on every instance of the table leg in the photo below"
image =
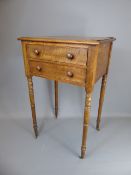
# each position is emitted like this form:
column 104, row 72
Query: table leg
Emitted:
column 101, row 100
column 86, row 123
column 56, row 98
column 32, row 104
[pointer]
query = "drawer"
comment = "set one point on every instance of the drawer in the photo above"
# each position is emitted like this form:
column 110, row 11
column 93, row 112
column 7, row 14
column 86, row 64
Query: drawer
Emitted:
column 58, row 72
column 58, row 53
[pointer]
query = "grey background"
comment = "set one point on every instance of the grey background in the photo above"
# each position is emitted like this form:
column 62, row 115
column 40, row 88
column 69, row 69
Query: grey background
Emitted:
column 60, row 17
column 57, row 149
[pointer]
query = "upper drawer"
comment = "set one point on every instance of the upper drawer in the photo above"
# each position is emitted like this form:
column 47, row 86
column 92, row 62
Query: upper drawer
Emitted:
column 58, row 53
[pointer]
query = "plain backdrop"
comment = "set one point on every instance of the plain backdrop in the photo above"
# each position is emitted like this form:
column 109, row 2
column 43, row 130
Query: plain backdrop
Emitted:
column 63, row 17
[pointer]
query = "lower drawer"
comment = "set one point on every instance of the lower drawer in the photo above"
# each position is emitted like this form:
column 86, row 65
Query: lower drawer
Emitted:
column 54, row 71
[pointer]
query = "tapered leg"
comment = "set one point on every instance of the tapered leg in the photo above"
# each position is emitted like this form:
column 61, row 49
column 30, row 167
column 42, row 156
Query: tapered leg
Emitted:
column 32, row 103
column 101, row 100
column 56, row 98
column 86, row 123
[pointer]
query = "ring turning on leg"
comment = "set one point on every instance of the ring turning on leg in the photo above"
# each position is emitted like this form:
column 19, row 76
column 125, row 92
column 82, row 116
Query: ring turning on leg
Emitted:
column 86, row 123
column 32, row 103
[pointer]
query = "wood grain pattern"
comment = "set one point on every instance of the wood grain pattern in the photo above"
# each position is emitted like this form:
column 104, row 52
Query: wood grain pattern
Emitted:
column 58, row 72
column 102, row 60
column 80, row 61
column 57, row 53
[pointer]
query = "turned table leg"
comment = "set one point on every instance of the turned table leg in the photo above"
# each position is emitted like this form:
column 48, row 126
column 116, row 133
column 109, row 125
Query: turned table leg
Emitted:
column 86, row 123
column 56, row 98
column 101, row 100
column 32, row 104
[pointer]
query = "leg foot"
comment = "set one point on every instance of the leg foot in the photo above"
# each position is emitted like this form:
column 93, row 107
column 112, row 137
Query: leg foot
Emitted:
column 97, row 127
column 56, row 98
column 83, row 152
column 36, row 131
column 56, row 112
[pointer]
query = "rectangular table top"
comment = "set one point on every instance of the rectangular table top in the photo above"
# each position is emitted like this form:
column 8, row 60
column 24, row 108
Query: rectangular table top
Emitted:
column 69, row 39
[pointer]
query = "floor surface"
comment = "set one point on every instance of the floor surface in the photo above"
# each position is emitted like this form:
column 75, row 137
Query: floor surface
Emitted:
column 56, row 151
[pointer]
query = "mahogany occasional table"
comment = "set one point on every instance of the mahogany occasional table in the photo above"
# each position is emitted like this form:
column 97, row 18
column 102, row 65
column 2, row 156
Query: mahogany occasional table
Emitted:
column 75, row 60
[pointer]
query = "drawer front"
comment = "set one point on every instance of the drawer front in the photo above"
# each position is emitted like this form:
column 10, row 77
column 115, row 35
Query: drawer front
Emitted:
column 59, row 72
column 58, row 53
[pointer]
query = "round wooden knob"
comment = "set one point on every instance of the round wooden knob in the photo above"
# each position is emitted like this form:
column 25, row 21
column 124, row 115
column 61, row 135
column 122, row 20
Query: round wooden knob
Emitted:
column 38, row 68
column 37, row 52
column 70, row 56
column 70, row 74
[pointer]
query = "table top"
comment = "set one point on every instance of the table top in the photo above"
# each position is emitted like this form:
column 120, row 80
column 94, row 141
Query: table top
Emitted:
column 69, row 39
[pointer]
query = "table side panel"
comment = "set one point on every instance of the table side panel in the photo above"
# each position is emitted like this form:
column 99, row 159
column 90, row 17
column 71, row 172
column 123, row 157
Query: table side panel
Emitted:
column 102, row 60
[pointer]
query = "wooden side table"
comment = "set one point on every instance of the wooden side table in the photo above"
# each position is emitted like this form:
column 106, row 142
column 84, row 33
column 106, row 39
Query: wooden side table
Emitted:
column 74, row 60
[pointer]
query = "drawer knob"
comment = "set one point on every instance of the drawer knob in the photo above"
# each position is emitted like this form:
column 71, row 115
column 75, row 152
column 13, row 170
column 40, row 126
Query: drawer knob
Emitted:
column 70, row 74
column 70, row 56
column 38, row 68
column 37, row 52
